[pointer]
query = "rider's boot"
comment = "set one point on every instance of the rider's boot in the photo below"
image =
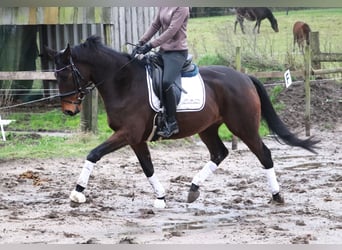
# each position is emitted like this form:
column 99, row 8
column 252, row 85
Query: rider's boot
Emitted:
column 171, row 126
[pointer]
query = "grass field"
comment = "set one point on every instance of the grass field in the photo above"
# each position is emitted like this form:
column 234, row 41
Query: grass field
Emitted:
column 211, row 40
column 215, row 35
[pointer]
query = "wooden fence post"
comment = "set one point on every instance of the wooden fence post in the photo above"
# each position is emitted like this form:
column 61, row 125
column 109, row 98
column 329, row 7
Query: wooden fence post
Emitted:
column 89, row 112
column 307, row 71
column 238, row 68
column 314, row 44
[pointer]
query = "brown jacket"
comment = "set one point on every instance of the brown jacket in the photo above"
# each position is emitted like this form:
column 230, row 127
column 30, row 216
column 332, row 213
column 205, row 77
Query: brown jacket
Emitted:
column 172, row 21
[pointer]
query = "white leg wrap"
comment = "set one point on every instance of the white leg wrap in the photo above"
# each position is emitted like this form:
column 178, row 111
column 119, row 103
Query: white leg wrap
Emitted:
column 85, row 173
column 157, row 186
column 272, row 181
column 205, row 172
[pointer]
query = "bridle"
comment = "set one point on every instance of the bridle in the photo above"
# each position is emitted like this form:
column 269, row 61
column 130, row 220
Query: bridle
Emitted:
column 89, row 86
column 80, row 89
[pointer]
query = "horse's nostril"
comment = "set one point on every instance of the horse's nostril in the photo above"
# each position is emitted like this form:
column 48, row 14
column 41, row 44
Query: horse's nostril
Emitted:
column 68, row 112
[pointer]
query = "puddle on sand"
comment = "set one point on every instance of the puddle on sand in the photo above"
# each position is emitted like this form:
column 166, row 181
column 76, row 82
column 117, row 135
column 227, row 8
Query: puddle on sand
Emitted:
column 210, row 223
column 310, row 165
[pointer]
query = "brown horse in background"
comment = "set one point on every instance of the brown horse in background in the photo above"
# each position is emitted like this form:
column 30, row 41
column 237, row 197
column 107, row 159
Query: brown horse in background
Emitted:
column 255, row 14
column 301, row 31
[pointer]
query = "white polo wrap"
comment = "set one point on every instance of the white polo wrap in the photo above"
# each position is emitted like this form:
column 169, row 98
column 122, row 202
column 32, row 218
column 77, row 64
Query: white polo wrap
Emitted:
column 272, row 181
column 85, row 173
column 157, row 186
column 205, row 172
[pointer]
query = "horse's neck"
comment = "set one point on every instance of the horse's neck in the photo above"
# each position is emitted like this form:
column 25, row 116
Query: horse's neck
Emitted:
column 121, row 80
column 270, row 16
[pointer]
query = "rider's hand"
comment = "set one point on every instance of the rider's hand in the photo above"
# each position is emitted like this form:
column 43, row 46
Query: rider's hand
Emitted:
column 143, row 49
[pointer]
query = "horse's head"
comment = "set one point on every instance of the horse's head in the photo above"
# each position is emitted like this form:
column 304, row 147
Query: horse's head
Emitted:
column 274, row 25
column 73, row 86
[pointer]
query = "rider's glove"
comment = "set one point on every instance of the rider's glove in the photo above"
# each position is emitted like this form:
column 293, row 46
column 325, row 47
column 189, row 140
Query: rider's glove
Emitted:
column 144, row 48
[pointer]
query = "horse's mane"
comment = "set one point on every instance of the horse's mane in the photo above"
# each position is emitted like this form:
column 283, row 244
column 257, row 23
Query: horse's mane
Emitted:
column 93, row 47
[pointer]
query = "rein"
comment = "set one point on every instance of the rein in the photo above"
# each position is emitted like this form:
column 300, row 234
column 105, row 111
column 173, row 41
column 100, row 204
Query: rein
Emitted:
column 82, row 91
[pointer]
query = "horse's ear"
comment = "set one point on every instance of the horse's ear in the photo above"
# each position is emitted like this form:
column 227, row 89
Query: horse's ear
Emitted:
column 51, row 53
column 67, row 53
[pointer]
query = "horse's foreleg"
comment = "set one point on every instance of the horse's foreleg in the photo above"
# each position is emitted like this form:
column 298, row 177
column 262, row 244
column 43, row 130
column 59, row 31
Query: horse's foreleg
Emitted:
column 241, row 26
column 217, row 154
column 115, row 142
column 236, row 22
column 143, row 154
column 82, row 182
column 257, row 25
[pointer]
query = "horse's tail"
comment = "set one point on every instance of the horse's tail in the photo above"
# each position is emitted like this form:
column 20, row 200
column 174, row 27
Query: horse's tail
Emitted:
column 276, row 125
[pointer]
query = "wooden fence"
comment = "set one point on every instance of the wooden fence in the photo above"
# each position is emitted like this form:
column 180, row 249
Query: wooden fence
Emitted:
column 312, row 67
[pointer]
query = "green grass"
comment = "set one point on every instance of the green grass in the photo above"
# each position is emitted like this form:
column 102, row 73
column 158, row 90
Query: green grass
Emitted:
column 267, row 50
column 212, row 41
column 33, row 146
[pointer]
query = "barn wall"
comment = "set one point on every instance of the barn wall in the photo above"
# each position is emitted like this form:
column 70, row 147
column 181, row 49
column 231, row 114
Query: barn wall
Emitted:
column 58, row 26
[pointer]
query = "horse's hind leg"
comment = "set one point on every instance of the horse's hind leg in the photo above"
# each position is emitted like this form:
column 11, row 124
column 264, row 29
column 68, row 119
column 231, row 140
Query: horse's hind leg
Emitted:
column 217, row 154
column 262, row 152
column 239, row 19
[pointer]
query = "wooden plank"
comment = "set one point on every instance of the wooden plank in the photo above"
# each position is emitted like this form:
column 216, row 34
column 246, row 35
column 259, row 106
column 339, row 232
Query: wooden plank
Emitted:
column 33, row 16
column 66, row 15
column 107, row 16
column 99, row 16
column 51, row 15
column 122, row 28
column 135, row 25
column 23, row 15
column 141, row 28
column 326, row 71
column 327, row 57
column 276, row 74
column 128, row 17
column 89, row 15
column 27, row 75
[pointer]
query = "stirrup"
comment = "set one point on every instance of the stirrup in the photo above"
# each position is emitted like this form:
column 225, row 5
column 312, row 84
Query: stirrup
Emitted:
column 168, row 130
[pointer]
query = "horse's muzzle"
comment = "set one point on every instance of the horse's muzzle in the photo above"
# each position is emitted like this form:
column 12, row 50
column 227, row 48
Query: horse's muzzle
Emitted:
column 71, row 113
column 71, row 109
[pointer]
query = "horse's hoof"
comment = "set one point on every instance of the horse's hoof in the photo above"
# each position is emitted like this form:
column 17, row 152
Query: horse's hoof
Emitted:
column 159, row 203
column 193, row 195
column 77, row 197
column 277, row 199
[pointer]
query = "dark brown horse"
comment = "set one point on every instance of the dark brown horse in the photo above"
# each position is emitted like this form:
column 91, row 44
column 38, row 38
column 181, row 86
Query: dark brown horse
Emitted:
column 301, row 31
column 255, row 14
column 233, row 98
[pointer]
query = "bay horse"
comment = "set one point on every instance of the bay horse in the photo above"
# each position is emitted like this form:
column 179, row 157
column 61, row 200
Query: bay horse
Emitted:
column 231, row 97
column 301, row 32
column 255, row 14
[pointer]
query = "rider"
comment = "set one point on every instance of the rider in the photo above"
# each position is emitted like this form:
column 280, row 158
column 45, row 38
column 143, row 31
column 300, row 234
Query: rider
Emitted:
column 172, row 21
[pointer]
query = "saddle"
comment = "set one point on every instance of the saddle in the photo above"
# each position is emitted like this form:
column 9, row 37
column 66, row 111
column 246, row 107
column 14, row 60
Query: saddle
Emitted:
column 155, row 67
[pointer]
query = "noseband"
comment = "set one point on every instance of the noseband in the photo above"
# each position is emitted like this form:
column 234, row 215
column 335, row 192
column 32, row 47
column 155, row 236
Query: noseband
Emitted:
column 80, row 90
